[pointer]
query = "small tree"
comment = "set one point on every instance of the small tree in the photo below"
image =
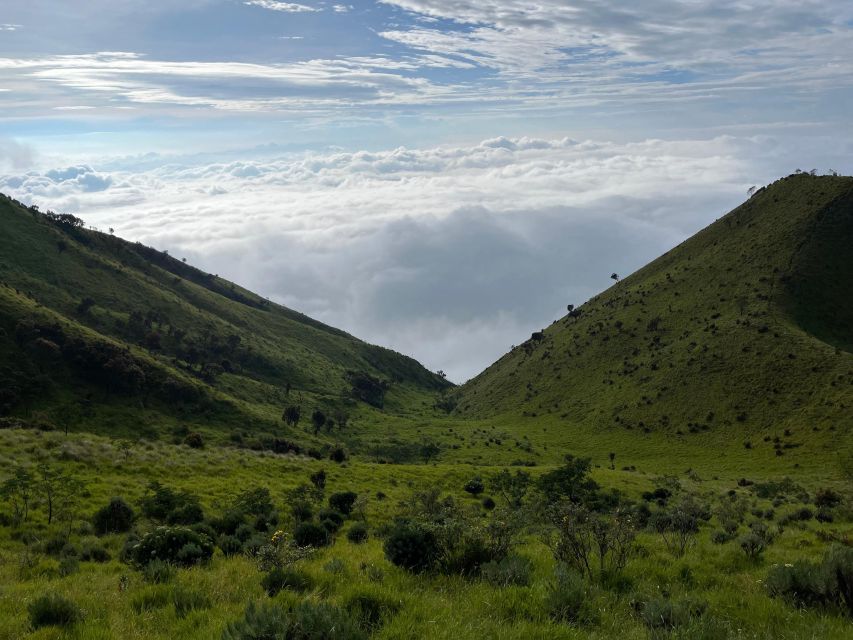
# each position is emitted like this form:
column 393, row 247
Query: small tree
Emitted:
column 512, row 488
column 343, row 501
column 318, row 479
column 590, row 542
column 59, row 490
column 678, row 526
column 291, row 415
column 116, row 517
column 614, row 276
column 18, row 490
column 612, row 457
column 318, row 419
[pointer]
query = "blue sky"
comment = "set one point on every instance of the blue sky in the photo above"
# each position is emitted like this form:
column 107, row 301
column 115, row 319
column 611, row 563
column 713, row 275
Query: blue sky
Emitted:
column 376, row 140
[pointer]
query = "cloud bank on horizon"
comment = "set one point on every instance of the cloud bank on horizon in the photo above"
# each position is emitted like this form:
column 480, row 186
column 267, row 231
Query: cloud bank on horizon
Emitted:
column 439, row 176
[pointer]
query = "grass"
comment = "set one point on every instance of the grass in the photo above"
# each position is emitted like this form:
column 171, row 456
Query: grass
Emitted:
column 117, row 602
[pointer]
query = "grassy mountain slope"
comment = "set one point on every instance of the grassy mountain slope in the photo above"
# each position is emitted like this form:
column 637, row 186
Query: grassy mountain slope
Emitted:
column 741, row 337
column 118, row 331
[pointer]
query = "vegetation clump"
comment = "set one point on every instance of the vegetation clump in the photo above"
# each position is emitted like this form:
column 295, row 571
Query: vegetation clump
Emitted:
column 176, row 545
column 304, row 621
column 53, row 610
column 115, row 517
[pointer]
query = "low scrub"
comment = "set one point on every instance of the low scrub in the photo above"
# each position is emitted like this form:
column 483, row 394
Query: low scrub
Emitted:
column 305, row 621
column 827, row 584
column 282, row 578
column 53, row 610
column 511, row 571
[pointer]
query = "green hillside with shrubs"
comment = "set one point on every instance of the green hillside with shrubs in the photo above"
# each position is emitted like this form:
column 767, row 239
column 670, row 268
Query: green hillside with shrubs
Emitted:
column 183, row 460
column 742, row 337
column 101, row 334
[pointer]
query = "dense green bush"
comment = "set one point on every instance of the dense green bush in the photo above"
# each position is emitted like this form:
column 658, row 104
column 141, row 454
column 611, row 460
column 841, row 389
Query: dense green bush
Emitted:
column 357, row 533
column 159, row 503
column 305, row 621
column 411, row 546
column 309, row 534
column 511, row 571
column 807, row 584
column 343, row 501
column 230, row 545
column 92, row 551
column 194, row 440
column 286, row 578
column 177, row 545
column 116, row 517
column 331, row 520
column 475, row 486
column 53, row 610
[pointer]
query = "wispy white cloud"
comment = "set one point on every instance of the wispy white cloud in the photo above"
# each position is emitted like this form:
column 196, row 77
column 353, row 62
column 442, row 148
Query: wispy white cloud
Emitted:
column 10, row 27
column 285, row 7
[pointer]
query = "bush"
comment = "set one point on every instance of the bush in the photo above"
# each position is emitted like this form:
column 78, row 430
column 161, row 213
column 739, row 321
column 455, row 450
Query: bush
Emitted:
column 664, row 614
column 194, row 440
column 807, row 584
column 282, row 578
column 177, row 545
column 753, row 545
column 305, row 621
column 335, row 517
column 411, row 547
column 230, row 545
column 801, row 583
column 827, row 498
column 474, row 486
column 721, row 537
column 309, row 534
column 488, row 503
column 338, row 455
column 190, row 513
column 92, row 551
column 53, row 611
column 370, row 610
column 511, row 571
column 68, row 565
column 357, row 533
column 566, row 599
column 159, row 502
column 158, row 572
column 343, row 501
column 116, row 517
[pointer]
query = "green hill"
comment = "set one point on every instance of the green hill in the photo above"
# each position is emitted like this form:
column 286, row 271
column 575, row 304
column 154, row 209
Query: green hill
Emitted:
column 741, row 336
column 127, row 340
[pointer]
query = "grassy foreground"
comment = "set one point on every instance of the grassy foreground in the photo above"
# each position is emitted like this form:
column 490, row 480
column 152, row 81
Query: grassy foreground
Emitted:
column 117, row 602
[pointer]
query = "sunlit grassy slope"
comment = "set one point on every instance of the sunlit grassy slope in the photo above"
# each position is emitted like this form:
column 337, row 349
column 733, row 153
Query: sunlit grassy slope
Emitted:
column 210, row 353
column 739, row 337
